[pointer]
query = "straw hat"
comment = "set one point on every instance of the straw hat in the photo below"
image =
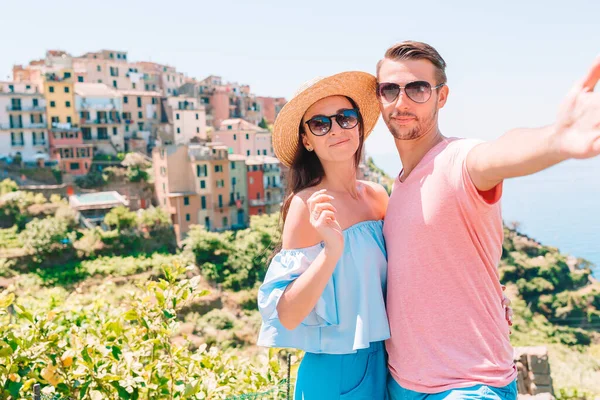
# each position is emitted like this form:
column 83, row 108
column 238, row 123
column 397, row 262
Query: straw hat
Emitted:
column 359, row 86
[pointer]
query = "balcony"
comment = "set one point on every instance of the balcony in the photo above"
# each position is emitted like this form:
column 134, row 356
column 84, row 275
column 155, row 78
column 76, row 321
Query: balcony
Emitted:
column 101, row 121
column 25, row 109
column 5, row 127
column 39, row 142
column 234, row 203
column 63, row 129
column 52, row 77
column 14, row 143
column 263, row 202
column 258, row 202
column 221, row 206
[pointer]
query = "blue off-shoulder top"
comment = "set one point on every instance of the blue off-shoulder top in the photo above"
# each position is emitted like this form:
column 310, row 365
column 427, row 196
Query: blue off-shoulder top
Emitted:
column 350, row 314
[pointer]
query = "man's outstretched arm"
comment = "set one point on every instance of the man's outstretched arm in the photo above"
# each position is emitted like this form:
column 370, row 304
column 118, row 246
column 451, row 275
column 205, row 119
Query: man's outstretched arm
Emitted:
column 520, row 152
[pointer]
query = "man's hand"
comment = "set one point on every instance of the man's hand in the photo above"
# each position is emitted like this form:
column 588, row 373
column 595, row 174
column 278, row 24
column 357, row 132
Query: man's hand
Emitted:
column 520, row 152
column 578, row 125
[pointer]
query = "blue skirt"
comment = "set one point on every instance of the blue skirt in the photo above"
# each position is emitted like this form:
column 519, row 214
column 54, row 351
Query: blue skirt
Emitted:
column 360, row 375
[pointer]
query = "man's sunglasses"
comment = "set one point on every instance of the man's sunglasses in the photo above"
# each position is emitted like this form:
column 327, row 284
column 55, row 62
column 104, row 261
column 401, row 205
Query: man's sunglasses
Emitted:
column 320, row 125
column 418, row 91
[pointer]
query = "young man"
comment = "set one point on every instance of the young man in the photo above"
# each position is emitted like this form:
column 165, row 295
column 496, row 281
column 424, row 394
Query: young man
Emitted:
column 443, row 229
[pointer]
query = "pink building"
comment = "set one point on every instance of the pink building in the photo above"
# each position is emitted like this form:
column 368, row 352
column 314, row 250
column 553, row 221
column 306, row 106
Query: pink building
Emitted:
column 242, row 137
column 271, row 107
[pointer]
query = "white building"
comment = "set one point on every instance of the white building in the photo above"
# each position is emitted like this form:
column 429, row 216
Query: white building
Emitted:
column 100, row 110
column 23, row 127
column 189, row 119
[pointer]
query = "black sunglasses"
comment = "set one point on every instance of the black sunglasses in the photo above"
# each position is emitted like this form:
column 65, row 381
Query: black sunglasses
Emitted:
column 418, row 91
column 320, row 125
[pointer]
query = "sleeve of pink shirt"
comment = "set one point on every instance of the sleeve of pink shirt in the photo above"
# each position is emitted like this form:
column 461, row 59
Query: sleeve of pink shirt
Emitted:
column 482, row 201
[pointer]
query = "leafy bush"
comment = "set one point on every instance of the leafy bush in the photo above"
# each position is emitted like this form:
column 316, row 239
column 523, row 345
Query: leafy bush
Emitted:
column 218, row 319
column 93, row 179
column 88, row 348
column 121, row 218
column 47, row 237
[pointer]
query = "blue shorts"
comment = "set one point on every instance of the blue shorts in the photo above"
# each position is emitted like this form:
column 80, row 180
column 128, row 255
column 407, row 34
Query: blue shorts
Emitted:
column 508, row 392
column 360, row 375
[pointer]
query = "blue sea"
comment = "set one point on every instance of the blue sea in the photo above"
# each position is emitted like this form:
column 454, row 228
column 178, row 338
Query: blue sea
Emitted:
column 559, row 207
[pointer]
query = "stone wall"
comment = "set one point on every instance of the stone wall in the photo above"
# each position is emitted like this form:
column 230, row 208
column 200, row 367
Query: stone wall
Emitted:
column 534, row 371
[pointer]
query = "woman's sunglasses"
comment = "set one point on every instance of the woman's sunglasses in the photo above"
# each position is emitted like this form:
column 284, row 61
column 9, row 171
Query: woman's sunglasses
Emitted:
column 418, row 91
column 320, row 125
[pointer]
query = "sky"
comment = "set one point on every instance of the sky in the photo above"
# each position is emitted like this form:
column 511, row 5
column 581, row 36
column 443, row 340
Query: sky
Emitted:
column 510, row 63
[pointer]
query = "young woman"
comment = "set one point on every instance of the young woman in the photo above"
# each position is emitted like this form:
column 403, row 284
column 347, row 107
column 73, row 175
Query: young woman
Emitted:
column 324, row 291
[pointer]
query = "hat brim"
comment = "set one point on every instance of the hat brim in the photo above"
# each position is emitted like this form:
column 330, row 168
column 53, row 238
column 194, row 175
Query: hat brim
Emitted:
column 359, row 86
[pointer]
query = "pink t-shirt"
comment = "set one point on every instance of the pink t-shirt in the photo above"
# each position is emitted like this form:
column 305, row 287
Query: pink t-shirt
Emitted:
column 444, row 298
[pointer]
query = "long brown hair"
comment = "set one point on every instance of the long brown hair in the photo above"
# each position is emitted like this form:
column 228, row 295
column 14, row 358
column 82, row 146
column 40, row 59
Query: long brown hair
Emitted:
column 307, row 171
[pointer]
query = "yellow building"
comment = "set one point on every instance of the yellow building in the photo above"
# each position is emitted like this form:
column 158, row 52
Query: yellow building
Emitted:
column 66, row 141
column 59, row 91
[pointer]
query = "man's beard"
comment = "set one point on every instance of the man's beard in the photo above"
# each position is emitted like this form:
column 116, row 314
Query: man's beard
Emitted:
column 414, row 133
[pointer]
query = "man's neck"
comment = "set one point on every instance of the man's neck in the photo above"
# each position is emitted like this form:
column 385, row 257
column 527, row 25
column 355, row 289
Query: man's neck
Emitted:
column 412, row 151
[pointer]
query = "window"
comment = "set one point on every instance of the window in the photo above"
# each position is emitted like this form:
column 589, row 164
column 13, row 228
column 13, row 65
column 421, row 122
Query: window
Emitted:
column 67, row 104
column 125, row 99
column 51, row 89
column 229, row 127
column 102, row 133
column 247, row 136
column 133, row 85
column 187, row 217
column 115, row 131
column 207, row 223
column 251, row 180
column 68, row 120
column 139, row 102
column 202, row 184
column 141, row 126
column 232, row 165
column 66, row 89
column 203, row 202
column 52, row 104
column 87, row 133
column 197, row 116
column 74, row 165
column 17, row 139
column 98, row 68
column 80, row 79
column 55, row 120
column 140, row 114
column 201, row 170
column 177, row 116
column 11, row 88
column 225, row 222
column 258, row 196
column 233, row 181
column 164, row 187
column 114, row 71
column 264, row 152
column 114, row 84
column 186, row 201
column 197, row 130
column 247, row 152
column 154, row 100
column 234, row 137
column 35, row 102
column 178, row 130
column 220, row 200
column 67, row 75
column 111, row 55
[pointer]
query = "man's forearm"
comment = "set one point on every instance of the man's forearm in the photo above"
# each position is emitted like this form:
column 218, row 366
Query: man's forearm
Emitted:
column 519, row 152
